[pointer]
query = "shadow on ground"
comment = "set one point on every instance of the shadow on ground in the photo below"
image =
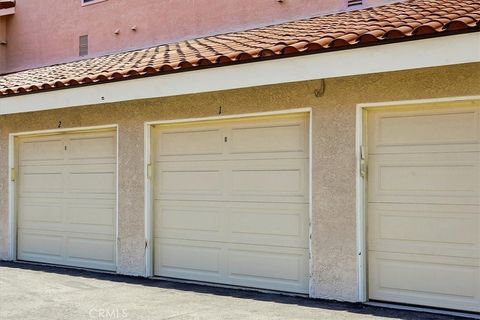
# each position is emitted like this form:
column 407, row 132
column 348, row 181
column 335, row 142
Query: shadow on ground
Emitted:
column 352, row 308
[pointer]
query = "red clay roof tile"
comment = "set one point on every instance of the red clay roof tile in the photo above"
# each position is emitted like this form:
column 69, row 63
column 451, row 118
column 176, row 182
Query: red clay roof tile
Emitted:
column 411, row 19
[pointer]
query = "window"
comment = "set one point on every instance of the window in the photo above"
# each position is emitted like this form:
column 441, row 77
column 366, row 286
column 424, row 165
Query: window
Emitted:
column 88, row 2
column 83, row 46
column 354, row 3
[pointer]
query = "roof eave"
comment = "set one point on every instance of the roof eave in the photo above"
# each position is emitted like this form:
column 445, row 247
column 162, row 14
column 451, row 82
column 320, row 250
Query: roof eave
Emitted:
column 435, row 52
column 291, row 52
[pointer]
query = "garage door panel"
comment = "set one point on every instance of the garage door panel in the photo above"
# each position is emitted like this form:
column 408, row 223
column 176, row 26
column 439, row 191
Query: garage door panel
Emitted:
column 41, row 149
column 86, row 219
column 284, row 180
column 234, row 208
column 425, row 178
column 276, row 271
column 448, row 230
column 251, row 263
column 44, row 246
column 66, row 203
column 285, row 224
column 97, row 213
column 412, row 278
column 233, row 140
column 84, row 230
column 91, row 182
column 188, row 220
column 91, row 147
column 193, row 260
column 267, row 182
column 72, row 248
column 91, row 252
column 273, row 268
column 65, row 232
column 280, row 178
column 287, row 137
column 35, row 178
column 40, row 211
column 91, row 230
column 274, row 224
column 186, row 142
column 79, row 179
column 428, row 130
column 92, row 179
column 190, row 181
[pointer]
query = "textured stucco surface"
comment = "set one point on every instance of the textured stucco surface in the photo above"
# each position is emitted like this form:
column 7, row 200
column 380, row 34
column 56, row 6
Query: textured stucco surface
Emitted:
column 334, row 273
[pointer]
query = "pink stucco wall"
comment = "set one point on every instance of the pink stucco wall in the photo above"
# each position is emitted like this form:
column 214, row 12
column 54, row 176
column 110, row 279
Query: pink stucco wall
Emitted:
column 3, row 38
column 46, row 32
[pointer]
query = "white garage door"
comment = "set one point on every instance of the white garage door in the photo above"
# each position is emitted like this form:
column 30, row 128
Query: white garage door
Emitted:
column 231, row 202
column 66, row 197
column 423, row 206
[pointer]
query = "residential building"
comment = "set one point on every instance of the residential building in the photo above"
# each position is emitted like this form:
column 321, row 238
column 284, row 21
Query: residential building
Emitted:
column 335, row 156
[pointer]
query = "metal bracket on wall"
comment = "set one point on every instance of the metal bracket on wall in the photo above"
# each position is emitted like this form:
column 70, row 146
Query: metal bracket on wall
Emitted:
column 13, row 175
column 363, row 163
column 149, row 171
column 320, row 91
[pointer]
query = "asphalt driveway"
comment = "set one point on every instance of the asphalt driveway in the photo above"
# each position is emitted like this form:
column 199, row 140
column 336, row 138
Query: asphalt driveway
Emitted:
column 32, row 292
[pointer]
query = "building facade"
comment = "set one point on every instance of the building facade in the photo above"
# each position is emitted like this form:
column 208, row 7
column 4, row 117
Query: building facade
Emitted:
column 322, row 157
column 109, row 26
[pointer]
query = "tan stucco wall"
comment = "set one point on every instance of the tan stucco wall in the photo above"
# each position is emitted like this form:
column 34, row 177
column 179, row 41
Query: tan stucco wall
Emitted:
column 334, row 209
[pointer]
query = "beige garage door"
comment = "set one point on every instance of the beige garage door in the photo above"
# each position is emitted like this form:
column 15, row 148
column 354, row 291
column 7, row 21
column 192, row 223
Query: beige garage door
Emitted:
column 231, row 202
column 423, row 206
column 66, row 198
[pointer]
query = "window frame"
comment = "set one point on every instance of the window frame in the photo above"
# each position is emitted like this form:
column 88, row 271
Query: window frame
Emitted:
column 91, row 2
column 83, row 47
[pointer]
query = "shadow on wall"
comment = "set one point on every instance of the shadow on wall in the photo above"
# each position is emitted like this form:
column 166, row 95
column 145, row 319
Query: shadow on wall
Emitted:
column 352, row 308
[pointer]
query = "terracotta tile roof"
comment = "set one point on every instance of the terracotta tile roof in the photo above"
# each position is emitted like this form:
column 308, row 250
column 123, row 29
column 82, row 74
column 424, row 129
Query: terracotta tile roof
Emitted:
column 6, row 4
column 411, row 19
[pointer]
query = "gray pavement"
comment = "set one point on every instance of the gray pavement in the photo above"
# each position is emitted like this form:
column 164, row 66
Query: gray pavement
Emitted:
column 31, row 292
